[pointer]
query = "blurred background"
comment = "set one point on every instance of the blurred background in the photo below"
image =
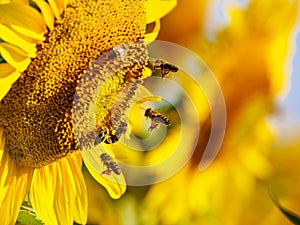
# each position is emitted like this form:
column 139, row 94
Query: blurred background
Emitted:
column 253, row 49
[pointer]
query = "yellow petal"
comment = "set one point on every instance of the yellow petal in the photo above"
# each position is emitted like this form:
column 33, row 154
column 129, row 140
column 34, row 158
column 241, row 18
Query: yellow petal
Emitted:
column 257, row 164
column 58, row 6
column 60, row 181
column 14, row 56
column 15, row 182
column 61, row 4
column 5, row 168
column 153, row 35
column 12, row 37
column 64, row 199
column 26, row 2
column 23, row 19
column 46, row 12
column 114, row 184
column 156, row 9
column 23, row 180
column 4, row 2
column 282, row 44
column 8, row 75
column 54, row 7
column 81, row 204
column 42, row 193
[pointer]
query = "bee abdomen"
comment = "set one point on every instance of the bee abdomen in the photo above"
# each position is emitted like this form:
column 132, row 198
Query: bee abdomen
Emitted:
column 166, row 120
column 162, row 119
column 114, row 167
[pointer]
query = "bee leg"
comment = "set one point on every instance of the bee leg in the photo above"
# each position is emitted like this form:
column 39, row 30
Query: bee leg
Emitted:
column 151, row 66
column 107, row 172
column 99, row 139
column 165, row 73
column 153, row 126
column 112, row 139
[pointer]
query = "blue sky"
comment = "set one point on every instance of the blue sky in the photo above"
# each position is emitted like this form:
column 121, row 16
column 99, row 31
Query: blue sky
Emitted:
column 292, row 101
column 286, row 121
column 290, row 105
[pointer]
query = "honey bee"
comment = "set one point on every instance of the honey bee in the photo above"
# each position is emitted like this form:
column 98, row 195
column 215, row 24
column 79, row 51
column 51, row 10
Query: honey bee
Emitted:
column 110, row 164
column 113, row 131
column 156, row 118
column 107, row 137
column 164, row 67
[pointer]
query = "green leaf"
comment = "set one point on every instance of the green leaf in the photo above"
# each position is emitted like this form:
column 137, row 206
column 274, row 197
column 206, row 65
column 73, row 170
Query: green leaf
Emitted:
column 27, row 217
column 1, row 59
column 293, row 217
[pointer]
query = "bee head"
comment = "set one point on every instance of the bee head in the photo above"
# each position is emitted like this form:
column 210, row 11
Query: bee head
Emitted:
column 147, row 112
column 174, row 69
column 103, row 156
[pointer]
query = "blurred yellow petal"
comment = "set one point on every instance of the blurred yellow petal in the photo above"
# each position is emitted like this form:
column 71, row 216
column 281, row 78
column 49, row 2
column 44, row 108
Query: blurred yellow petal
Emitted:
column 10, row 36
column 257, row 164
column 42, row 193
column 26, row 2
column 23, row 19
column 154, row 33
column 14, row 56
column 8, row 75
column 81, row 204
column 14, row 184
column 282, row 44
column 159, row 198
column 46, row 12
column 156, row 9
column 4, row 1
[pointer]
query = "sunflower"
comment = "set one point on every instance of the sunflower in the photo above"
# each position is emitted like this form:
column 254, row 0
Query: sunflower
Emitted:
column 46, row 47
column 248, row 56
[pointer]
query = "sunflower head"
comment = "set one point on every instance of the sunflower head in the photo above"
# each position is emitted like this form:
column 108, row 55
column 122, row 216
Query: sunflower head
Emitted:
column 36, row 112
column 52, row 52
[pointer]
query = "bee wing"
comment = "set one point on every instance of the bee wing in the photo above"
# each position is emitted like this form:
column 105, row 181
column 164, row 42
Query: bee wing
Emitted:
column 115, row 184
column 99, row 139
column 159, row 120
column 153, row 125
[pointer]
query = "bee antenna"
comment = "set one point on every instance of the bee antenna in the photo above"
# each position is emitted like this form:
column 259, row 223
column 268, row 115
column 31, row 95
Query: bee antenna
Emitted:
column 142, row 108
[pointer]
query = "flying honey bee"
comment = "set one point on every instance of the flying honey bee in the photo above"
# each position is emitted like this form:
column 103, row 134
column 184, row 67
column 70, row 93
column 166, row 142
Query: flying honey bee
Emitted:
column 156, row 118
column 110, row 164
column 164, row 67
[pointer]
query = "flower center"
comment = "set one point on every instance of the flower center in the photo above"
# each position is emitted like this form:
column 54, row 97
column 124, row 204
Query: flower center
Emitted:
column 36, row 113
